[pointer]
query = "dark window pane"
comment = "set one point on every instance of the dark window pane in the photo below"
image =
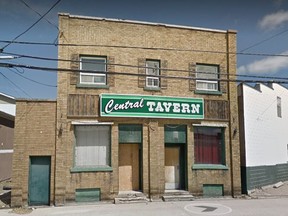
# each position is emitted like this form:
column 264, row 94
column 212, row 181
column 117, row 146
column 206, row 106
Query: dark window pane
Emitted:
column 208, row 145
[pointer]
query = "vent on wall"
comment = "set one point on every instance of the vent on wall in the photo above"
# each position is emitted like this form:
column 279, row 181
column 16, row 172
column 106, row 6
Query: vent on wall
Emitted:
column 213, row 190
column 87, row 195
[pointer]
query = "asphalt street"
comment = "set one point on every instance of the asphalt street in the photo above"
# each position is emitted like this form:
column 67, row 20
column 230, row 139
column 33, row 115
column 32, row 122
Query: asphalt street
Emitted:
column 235, row 207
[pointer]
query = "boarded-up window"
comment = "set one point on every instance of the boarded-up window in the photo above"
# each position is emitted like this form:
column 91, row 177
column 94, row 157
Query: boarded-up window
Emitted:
column 216, row 109
column 92, row 146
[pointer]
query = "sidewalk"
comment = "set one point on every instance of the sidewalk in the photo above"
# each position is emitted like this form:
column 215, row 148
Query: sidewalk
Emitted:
column 5, row 195
column 261, row 193
column 277, row 190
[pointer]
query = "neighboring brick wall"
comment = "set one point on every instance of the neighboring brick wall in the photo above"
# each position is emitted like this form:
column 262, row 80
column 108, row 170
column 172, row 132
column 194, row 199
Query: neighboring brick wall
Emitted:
column 35, row 131
column 81, row 31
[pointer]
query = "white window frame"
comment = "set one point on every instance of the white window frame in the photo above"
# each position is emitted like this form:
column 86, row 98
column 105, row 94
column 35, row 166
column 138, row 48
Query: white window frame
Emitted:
column 93, row 75
column 102, row 158
column 148, row 72
column 207, row 82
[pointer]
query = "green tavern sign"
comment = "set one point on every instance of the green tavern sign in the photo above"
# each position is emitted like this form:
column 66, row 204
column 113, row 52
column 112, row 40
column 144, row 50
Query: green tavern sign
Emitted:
column 144, row 106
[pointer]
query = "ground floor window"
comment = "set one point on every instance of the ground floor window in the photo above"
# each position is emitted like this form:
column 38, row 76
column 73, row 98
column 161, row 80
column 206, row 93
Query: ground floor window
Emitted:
column 93, row 145
column 209, row 145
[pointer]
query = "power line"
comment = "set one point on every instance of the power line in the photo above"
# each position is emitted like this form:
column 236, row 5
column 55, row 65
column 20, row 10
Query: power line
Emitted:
column 134, row 66
column 263, row 41
column 15, row 85
column 146, row 48
column 40, row 83
column 8, row 65
column 31, row 25
column 28, row 6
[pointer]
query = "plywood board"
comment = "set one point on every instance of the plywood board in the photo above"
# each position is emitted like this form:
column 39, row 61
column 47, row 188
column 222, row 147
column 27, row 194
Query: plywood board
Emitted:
column 128, row 167
column 172, row 172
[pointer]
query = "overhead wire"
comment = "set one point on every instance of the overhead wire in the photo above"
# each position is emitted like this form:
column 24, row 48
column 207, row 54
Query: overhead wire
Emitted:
column 134, row 66
column 263, row 41
column 14, row 84
column 32, row 80
column 58, row 1
column 279, row 80
column 28, row 6
column 146, row 48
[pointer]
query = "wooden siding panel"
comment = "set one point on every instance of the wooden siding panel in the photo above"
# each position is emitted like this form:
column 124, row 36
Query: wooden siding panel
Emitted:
column 216, row 109
column 83, row 105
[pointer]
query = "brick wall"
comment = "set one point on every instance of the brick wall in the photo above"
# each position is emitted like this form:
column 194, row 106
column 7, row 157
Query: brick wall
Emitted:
column 35, row 131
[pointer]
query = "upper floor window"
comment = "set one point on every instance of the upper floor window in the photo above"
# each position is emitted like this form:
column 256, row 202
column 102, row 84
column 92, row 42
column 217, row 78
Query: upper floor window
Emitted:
column 279, row 110
column 152, row 68
column 93, row 64
column 207, row 77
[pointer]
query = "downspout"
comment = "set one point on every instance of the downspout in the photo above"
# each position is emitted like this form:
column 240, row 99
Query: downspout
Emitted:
column 56, row 135
column 149, row 164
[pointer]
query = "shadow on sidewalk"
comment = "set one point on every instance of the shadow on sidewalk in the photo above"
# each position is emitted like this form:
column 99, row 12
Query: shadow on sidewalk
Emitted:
column 6, row 198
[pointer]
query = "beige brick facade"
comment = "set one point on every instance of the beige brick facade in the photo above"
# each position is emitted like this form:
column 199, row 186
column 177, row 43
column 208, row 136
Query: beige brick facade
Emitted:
column 34, row 136
column 126, row 44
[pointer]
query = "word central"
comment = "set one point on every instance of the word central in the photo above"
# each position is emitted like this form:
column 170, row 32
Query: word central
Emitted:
column 111, row 106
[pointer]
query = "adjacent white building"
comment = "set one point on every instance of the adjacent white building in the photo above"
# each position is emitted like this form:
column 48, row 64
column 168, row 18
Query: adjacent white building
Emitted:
column 263, row 112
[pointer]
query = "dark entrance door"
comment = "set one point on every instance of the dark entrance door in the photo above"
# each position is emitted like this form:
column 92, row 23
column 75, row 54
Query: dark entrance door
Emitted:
column 39, row 180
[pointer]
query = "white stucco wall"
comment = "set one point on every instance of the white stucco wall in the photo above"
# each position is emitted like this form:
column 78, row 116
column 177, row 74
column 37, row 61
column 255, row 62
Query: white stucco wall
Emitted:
column 7, row 104
column 266, row 135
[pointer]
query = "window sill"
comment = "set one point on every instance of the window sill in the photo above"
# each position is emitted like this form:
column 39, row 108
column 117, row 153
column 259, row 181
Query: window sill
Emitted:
column 92, row 86
column 208, row 92
column 209, row 167
column 91, row 169
column 152, row 88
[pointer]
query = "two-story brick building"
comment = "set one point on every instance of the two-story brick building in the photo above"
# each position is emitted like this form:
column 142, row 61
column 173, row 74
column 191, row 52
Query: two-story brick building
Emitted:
column 141, row 107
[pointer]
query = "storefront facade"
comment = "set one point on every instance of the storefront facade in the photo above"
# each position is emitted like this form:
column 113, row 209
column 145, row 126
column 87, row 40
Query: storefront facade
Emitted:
column 144, row 107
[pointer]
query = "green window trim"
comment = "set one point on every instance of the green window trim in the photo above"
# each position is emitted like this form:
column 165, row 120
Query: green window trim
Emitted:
column 209, row 167
column 91, row 169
